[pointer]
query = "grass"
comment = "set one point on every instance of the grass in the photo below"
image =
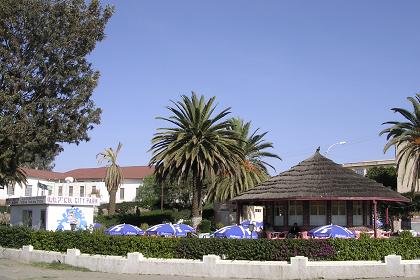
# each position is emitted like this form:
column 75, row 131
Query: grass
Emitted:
column 59, row 266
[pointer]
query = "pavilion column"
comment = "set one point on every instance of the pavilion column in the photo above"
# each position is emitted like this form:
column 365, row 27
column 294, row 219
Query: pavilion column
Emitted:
column 286, row 214
column 329, row 217
column 306, row 216
column 364, row 212
column 375, row 216
column 349, row 205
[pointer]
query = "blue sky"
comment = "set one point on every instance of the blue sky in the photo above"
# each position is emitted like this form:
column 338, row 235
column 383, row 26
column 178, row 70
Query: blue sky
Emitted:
column 312, row 73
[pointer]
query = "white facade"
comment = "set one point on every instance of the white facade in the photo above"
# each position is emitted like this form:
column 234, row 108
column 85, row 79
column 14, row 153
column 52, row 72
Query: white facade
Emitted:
column 52, row 212
column 86, row 188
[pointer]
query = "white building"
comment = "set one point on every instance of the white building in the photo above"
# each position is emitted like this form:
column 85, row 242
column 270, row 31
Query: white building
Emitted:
column 362, row 167
column 52, row 212
column 83, row 182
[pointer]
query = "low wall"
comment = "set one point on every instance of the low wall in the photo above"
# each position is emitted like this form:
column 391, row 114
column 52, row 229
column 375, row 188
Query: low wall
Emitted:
column 213, row 266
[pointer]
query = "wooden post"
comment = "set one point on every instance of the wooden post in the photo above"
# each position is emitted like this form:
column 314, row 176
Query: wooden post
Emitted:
column 375, row 216
column 349, row 211
column 387, row 216
column 306, row 214
column 329, row 218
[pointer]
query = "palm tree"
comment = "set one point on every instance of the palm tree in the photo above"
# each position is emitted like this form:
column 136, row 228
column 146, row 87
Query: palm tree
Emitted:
column 199, row 144
column 114, row 176
column 253, row 170
column 406, row 137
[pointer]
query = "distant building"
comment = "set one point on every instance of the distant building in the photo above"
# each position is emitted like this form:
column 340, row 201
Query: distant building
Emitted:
column 362, row 167
column 83, row 182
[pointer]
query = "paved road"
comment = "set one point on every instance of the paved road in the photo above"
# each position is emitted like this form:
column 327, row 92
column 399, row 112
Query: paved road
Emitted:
column 13, row 270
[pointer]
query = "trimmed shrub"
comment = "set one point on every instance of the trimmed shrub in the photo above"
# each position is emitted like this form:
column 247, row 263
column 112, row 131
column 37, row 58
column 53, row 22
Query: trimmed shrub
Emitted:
column 193, row 248
column 260, row 249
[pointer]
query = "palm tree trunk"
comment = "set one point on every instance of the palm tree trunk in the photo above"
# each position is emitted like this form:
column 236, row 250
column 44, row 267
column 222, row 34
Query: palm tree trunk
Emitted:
column 111, row 206
column 196, row 202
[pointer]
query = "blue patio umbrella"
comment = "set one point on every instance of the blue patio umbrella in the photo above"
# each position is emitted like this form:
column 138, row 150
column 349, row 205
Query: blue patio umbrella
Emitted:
column 177, row 230
column 258, row 225
column 124, row 229
column 235, row 232
column 331, row 231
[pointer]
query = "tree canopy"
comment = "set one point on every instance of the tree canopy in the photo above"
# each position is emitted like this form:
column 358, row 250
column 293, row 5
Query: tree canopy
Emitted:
column 198, row 143
column 252, row 171
column 46, row 81
column 405, row 135
column 387, row 176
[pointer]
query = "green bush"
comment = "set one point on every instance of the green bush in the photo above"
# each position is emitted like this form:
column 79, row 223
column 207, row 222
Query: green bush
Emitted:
column 144, row 226
column 204, row 226
column 151, row 217
column 193, row 248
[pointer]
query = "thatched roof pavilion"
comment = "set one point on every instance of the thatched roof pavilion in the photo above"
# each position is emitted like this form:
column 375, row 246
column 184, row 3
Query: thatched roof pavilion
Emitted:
column 318, row 191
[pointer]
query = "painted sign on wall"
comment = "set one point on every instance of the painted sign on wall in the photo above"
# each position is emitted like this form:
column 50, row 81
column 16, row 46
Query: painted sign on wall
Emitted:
column 72, row 219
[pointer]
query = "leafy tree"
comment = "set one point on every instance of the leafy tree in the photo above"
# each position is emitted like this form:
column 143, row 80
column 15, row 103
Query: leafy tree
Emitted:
column 387, row 176
column 46, row 82
column 147, row 194
column 175, row 194
column 114, row 176
column 406, row 136
column 253, row 170
column 199, row 144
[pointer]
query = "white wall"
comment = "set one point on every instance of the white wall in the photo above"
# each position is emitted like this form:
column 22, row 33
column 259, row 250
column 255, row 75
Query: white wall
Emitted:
column 54, row 214
column 213, row 267
column 130, row 187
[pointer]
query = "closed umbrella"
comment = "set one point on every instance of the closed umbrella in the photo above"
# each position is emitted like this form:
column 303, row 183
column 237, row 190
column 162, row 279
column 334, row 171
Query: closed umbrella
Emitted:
column 235, row 232
column 124, row 229
column 331, row 231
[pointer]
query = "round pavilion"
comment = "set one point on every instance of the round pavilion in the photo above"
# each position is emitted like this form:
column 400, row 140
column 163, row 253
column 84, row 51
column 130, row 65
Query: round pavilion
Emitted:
column 316, row 192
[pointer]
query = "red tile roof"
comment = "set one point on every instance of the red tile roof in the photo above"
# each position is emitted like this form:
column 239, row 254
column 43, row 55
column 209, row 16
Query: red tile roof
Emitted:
column 129, row 172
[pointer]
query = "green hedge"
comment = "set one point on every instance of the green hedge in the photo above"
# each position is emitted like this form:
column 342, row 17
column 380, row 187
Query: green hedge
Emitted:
column 193, row 248
column 150, row 217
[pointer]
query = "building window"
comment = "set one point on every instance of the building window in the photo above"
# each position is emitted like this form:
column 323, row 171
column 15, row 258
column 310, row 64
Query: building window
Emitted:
column 357, row 213
column 28, row 190
column 121, row 193
column 257, row 210
column 27, row 218
column 279, row 213
column 82, row 191
column 94, row 189
column 60, row 190
column 70, row 190
column 360, row 171
column 339, row 213
column 10, row 190
column 318, row 213
column 338, row 208
column 295, row 212
column 49, row 191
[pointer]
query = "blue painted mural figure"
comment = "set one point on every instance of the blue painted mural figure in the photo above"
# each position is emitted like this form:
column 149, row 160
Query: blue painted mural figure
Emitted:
column 73, row 217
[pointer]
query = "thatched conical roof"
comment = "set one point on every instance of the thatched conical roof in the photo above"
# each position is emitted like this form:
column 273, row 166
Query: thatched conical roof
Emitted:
column 319, row 178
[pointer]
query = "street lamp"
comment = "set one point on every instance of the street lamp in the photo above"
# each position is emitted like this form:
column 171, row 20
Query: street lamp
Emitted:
column 338, row 143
